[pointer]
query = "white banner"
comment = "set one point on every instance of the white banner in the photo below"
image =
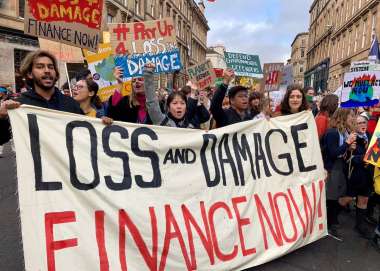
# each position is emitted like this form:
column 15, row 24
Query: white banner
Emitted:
column 132, row 197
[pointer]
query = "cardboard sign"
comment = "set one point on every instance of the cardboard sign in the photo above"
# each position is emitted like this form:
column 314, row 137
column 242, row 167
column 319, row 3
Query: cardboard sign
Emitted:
column 244, row 65
column 62, row 52
column 149, row 37
column 76, row 23
column 360, row 89
column 123, row 197
column 202, row 75
column 272, row 76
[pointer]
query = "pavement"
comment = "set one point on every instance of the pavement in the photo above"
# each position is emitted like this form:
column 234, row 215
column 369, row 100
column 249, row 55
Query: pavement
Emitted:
column 328, row 254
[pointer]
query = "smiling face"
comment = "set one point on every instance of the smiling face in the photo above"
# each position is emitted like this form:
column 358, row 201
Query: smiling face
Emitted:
column 43, row 73
column 295, row 100
column 177, row 107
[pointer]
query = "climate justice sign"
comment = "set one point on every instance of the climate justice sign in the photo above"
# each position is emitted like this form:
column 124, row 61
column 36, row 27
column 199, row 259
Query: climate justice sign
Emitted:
column 73, row 22
column 139, row 197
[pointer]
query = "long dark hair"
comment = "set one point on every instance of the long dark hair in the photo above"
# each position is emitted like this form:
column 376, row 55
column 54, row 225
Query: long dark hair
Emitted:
column 285, row 108
column 94, row 87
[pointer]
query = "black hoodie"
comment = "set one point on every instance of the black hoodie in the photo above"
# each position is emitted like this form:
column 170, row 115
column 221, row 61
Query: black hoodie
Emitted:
column 58, row 102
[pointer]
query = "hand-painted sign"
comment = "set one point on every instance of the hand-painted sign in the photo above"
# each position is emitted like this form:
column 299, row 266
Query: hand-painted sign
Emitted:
column 361, row 89
column 61, row 51
column 272, row 76
column 149, row 37
column 202, row 75
column 243, row 64
column 134, row 65
column 76, row 23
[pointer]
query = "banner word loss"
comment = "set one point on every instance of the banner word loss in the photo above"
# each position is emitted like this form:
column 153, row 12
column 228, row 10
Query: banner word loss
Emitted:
column 87, row 12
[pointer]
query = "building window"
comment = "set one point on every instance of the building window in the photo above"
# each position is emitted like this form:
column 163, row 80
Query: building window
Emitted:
column 167, row 11
column 21, row 8
column 373, row 28
column 349, row 43
column 137, row 7
column 301, row 69
column 364, row 35
column 109, row 18
column 356, row 38
column 302, row 52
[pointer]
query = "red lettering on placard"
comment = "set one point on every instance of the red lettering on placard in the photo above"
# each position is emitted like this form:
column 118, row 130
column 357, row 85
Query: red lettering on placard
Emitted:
column 320, row 215
column 88, row 13
column 205, row 237
column 289, row 214
column 169, row 235
column 51, row 245
column 242, row 222
column 223, row 257
column 301, row 219
column 309, row 210
column 149, row 258
column 275, row 231
column 99, row 227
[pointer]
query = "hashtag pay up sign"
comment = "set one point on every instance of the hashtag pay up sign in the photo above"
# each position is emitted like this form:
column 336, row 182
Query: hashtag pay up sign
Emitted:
column 149, row 37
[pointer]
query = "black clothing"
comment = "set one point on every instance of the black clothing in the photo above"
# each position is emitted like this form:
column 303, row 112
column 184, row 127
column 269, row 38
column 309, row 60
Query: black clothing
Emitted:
column 58, row 102
column 224, row 117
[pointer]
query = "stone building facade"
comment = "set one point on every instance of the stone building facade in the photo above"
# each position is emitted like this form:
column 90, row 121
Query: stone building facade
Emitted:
column 191, row 24
column 340, row 33
column 299, row 57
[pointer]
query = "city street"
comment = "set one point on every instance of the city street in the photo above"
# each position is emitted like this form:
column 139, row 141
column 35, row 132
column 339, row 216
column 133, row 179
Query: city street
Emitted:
column 328, row 254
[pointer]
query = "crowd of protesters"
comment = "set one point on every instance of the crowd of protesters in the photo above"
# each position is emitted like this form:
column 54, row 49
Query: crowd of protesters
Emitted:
column 344, row 134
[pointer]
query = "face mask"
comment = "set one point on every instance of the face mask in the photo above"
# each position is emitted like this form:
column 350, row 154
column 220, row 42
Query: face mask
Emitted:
column 309, row 98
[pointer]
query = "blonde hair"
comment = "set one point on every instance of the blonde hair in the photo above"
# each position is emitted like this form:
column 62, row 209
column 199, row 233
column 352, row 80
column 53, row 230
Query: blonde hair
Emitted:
column 339, row 120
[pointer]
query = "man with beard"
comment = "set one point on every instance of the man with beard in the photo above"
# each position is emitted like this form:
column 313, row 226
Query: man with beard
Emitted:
column 40, row 70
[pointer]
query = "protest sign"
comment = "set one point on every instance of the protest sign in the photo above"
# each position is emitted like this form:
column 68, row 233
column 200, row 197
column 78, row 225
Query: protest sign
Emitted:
column 148, row 37
column 76, row 23
column 135, row 44
column 134, row 65
column 124, row 197
column 272, row 76
column 101, row 65
column 244, row 65
column 248, row 82
column 62, row 52
column 202, row 75
column 373, row 153
column 360, row 89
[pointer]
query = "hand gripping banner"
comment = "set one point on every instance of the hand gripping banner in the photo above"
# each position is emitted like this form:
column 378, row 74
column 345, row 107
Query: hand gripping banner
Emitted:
column 132, row 197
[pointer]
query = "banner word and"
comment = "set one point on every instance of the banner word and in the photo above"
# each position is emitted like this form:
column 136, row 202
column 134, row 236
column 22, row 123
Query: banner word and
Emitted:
column 360, row 89
column 202, row 75
column 140, row 197
column 148, row 37
column 272, row 76
column 76, row 23
column 244, row 65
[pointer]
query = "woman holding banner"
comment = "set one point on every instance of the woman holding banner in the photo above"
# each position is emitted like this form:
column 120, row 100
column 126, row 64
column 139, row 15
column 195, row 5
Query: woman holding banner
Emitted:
column 338, row 141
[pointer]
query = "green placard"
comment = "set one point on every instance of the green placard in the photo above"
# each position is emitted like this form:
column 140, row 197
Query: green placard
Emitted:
column 243, row 64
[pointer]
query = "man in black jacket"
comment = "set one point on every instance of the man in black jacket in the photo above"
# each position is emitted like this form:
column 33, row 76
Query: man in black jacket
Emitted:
column 41, row 71
column 238, row 96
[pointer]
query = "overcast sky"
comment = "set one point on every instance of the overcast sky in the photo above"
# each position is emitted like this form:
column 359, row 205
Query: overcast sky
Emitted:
column 263, row 27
